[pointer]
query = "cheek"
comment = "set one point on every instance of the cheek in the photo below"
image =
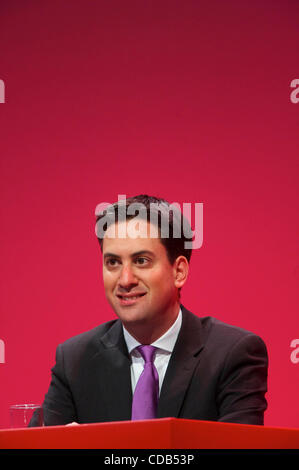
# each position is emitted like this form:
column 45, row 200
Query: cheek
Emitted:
column 161, row 280
column 107, row 281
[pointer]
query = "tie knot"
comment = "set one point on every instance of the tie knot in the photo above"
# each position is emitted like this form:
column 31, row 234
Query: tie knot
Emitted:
column 147, row 352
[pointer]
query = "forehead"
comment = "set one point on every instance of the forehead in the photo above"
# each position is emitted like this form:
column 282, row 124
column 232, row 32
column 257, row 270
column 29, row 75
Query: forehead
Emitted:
column 132, row 236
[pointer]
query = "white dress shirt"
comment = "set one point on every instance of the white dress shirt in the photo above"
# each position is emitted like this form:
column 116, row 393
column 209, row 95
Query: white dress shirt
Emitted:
column 164, row 345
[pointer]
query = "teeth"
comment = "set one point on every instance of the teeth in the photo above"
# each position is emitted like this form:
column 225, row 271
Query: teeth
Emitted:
column 134, row 297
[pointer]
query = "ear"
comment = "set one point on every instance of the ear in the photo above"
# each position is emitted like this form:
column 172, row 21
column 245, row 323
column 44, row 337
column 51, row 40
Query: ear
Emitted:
column 181, row 271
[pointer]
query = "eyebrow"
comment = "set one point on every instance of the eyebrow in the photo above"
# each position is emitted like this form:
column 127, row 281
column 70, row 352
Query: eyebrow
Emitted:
column 137, row 253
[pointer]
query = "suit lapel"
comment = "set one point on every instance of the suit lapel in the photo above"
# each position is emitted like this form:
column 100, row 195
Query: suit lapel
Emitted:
column 182, row 364
column 117, row 386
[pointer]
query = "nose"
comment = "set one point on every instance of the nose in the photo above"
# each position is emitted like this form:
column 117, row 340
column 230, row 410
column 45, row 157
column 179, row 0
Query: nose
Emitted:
column 127, row 278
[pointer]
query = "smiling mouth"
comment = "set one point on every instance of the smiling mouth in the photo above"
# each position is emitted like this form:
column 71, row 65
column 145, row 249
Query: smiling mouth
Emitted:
column 129, row 298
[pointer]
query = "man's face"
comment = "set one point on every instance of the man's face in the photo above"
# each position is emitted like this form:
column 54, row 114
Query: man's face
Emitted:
column 140, row 283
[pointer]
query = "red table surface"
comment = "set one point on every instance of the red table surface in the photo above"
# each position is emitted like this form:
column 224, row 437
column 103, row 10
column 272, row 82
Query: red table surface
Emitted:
column 167, row 433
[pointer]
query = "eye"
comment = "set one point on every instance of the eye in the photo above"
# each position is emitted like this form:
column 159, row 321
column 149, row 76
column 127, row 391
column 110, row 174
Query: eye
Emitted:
column 111, row 262
column 141, row 260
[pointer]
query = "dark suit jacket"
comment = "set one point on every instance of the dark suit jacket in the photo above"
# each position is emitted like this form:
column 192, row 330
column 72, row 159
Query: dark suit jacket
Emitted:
column 216, row 372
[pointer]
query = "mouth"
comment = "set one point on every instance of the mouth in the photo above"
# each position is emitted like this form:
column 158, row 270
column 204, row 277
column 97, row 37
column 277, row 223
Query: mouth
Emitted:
column 130, row 299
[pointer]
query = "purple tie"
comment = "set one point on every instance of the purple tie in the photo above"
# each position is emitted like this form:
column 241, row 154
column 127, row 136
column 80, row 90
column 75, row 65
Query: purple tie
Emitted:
column 145, row 399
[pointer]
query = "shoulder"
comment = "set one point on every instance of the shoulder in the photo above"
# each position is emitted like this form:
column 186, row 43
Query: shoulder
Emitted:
column 88, row 340
column 220, row 335
column 218, row 328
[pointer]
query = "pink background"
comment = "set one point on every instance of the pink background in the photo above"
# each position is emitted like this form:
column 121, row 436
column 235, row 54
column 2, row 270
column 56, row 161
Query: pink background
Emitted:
column 187, row 100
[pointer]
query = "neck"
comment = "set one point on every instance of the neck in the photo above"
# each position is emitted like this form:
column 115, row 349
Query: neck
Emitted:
column 148, row 332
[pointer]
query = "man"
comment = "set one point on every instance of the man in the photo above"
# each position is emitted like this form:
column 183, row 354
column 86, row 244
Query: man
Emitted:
column 200, row 368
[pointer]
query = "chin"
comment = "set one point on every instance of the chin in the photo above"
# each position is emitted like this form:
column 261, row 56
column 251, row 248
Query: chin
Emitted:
column 133, row 316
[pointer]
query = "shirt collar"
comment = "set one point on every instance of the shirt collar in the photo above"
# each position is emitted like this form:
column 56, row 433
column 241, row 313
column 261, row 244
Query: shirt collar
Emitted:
column 165, row 342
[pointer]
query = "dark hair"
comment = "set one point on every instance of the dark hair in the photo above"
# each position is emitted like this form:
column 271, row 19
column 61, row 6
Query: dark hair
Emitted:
column 165, row 215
